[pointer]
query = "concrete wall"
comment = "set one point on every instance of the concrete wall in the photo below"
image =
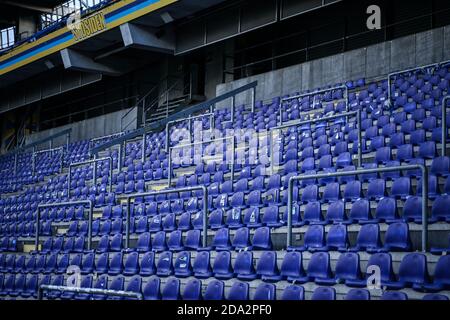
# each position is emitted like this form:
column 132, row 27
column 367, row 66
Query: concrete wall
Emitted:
column 369, row 62
column 90, row 128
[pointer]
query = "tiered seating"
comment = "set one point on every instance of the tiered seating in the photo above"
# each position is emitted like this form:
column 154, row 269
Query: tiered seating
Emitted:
column 344, row 225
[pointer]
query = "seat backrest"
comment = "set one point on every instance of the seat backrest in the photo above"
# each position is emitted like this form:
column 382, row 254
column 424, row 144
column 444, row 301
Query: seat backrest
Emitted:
column 171, row 290
column 238, row 291
column 214, row 290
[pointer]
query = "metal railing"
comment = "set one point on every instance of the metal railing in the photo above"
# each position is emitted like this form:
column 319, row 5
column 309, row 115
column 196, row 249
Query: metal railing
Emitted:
column 308, row 94
column 424, row 181
column 181, row 114
column 169, row 191
column 233, row 160
column 94, row 173
column 168, row 125
column 35, row 153
column 114, row 135
column 63, row 204
column 299, row 123
column 126, row 294
column 444, row 125
column 390, row 75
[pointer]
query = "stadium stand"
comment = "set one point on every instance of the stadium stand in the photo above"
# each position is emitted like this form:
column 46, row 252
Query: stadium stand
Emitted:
column 148, row 233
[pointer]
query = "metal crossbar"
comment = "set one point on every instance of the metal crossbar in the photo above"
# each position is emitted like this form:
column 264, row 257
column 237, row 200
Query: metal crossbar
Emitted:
column 299, row 123
column 63, row 204
column 35, row 153
column 444, row 125
column 169, row 124
column 94, row 173
column 155, row 193
column 126, row 294
column 233, row 146
column 424, row 181
column 390, row 75
column 308, row 94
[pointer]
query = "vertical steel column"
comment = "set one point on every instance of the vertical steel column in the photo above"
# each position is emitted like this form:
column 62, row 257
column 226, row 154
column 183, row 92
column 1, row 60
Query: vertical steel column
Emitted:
column 233, row 160
column 280, row 111
column 144, row 147
column 127, row 225
column 233, row 106
column 444, row 125
column 253, row 99
column 424, row 208
column 360, row 143
column 34, row 161
column 15, row 163
column 94, row 172
column 169, row 178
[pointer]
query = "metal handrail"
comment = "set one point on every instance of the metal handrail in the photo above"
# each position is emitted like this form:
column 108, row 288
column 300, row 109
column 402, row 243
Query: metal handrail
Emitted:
column 168, row 191
column 299, row 123
column 181, row 114
column 233, row 160
column 50, row 138
column 308, row 94
column 127, row 294
column 444, row 125
column 62, row 204
column 168, row 124
column 424, row 181
column 35, row 153
column 390, row 75
column 94, row 173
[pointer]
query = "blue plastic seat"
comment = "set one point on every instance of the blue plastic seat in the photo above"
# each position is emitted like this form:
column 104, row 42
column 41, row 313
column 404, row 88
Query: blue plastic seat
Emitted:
column 313, row 213
column 174, row 242
column 222, row 265
column 201, row 266
column 293, row 292
column 241, row 239
column 336, row 212
column 412, row 210
column 102, row 263
column 214, row 291
column 401, row 188
column 101, row 283
column 116, row 265
column 435, row 296
column 324, row 293
column 271, row 217
column 337, row 238
column 171, row 290
column 164, row 266
column 394, row 295
column 413, row 271
column 265, row 291
column 397, row 237
column 386, row 210
column 159, row 242
column 441, row 276
column 221, row 240
column 243, row 266
column 441, row 166
column 440, row 210
column 352, row 190
column 131, row 265
column 376, row 189
column 192, row 241
column 147, row 264
column 360, row 212
column 358, row 294
column 267, row 268
column 151, row 290
column 182, row 265
column 262, row 239
column 238, row 291
column 252, row 218
column 368, row 238
column 292, row 267
column 143, row 242
column 193, row 290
